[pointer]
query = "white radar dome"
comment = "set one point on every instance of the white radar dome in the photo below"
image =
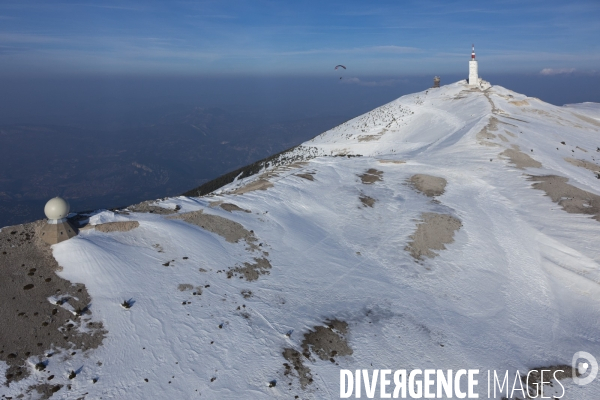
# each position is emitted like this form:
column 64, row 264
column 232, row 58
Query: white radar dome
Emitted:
column 56, row 208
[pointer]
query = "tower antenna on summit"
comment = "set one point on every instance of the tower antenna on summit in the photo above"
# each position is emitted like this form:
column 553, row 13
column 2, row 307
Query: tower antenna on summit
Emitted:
column 473, row 73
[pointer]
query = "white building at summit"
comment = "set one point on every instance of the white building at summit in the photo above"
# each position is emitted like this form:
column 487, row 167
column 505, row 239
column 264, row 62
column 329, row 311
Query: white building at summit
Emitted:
column 474, row 79
column 473, row 73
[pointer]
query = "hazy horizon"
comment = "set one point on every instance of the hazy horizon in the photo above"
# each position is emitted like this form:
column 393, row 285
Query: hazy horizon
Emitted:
column 90, row 138
column 95, row 98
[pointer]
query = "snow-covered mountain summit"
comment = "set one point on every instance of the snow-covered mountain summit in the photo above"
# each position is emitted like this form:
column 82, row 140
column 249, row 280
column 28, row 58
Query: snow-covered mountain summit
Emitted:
column 450, row 229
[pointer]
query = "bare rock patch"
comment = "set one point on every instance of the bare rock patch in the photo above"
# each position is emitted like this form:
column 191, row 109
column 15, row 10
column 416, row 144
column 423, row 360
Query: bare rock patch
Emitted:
column 182, row 287
column 585, row 164
column 520, row 159
column 230, row 230
column 432, row 233
column 367, row 201
column 326, row 342
column 259, row 184
column 119, row 226
column 519, row 103
column 428, row 185
column 370, row 138
column 308, row 175
column 31, row 324
column 296, row 359
column 251, row 271
column 570, row 198
column 371, row 176
column 45, row 390
column 485, row 135
column 151, row 207
column 232, row 207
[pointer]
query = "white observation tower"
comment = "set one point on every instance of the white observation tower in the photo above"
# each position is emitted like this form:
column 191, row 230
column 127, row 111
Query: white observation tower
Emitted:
column 473, row 74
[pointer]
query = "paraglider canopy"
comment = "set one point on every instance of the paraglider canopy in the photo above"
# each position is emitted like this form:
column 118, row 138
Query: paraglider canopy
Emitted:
column 339, row 66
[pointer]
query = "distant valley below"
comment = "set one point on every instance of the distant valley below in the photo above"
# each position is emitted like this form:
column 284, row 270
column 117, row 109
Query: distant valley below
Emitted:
column 103, row 142
column 177, row 151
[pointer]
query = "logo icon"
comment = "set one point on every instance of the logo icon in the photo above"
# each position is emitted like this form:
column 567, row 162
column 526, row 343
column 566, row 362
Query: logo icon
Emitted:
column 581, row 368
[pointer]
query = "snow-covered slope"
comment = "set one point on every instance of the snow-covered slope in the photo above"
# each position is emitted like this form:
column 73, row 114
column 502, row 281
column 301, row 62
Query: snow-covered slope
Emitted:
column 362, row 245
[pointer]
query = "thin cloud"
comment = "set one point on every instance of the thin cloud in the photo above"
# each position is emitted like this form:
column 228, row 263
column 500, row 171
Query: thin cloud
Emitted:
column 393, row 49
column 363, row 13
column 110, row 7
column 358, row 50
column 540, row 57
column 560, row 71
column 9, row 50
column 213, row 16
column 470, row 11
column 30, row 38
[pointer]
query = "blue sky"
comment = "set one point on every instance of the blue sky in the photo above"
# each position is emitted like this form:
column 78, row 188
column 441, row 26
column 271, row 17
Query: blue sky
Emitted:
column 298, row 37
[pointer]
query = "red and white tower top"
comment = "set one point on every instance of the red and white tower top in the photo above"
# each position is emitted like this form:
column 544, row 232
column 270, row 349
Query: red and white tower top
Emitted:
column 473, row 53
